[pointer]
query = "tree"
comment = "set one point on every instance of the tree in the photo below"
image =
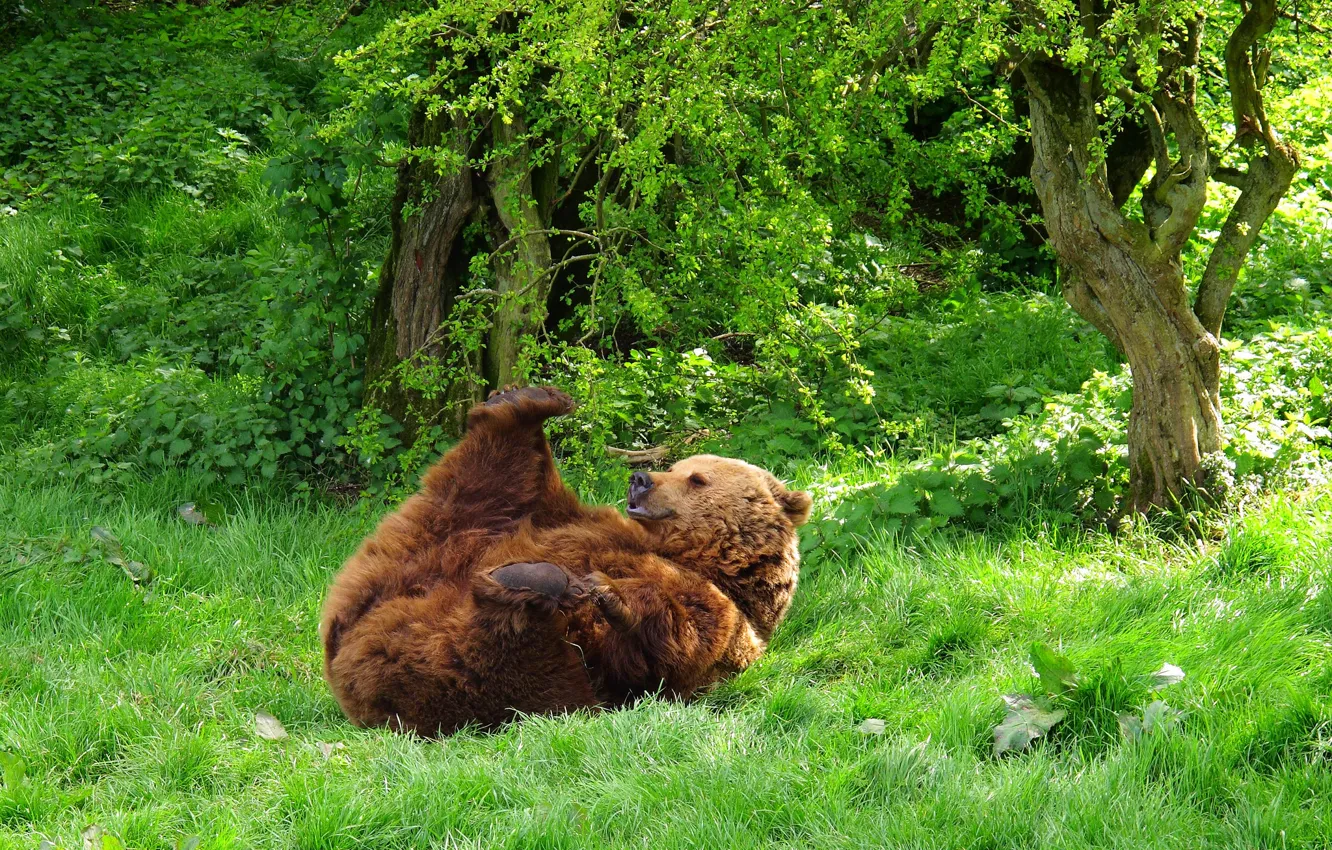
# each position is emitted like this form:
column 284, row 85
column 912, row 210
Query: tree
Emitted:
column 1114, row 93
column 649, row 164
column 422, row 296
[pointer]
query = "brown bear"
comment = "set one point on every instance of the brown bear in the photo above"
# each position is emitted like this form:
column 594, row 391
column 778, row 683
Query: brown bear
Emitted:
column 494, row 591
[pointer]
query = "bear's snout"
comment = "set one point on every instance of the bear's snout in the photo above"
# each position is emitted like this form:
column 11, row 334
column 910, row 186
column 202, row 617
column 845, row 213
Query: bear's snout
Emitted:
column 641, row 486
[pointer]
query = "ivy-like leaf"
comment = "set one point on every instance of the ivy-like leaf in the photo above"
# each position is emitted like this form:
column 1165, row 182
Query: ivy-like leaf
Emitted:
column 1025, row 722
column 1057, row 673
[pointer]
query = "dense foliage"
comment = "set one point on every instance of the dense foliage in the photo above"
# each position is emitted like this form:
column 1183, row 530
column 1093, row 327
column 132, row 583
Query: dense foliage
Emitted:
column 799, row 230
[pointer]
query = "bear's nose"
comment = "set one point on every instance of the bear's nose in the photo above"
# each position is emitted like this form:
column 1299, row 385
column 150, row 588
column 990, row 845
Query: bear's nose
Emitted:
column 639, row 483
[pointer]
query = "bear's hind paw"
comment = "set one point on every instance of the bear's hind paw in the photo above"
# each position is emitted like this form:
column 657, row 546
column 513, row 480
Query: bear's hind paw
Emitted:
column 535, row 404
column 540, row 582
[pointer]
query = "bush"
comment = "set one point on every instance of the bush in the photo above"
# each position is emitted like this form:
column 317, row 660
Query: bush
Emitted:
column 1071, row 461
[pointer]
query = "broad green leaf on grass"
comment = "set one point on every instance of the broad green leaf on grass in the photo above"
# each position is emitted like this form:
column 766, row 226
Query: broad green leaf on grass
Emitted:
column 872, row 726
column 96, row 838
column 12, row 769
column 1130, row 726
column 1160, row 716
column 191, row 514
column 110, row 543
column 1057, row 672
column 1025, row 722
column 115, row 554
column 1156, row 716
column 1169, row 674
column 202, row 513
column 189, row 842
column 268, row 727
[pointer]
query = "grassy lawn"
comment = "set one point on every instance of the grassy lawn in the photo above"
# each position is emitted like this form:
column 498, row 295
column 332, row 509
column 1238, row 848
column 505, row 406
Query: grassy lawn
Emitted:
column 135, row 708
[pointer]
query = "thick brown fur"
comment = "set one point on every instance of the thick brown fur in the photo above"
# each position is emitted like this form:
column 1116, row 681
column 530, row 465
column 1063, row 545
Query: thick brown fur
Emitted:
column 493, row 590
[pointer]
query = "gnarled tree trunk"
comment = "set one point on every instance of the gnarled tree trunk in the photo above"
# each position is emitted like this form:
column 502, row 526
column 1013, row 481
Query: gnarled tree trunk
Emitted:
column 523, row 270
column 1118, row 278
column 426, row 275
column 421, row 280
column 1126, row 276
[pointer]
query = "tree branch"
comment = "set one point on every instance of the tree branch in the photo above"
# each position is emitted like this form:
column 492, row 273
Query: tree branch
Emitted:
column 1246, row 102
column 1083, row 300
column 1231, row 177
column 1179, row 193
column 1268, row 176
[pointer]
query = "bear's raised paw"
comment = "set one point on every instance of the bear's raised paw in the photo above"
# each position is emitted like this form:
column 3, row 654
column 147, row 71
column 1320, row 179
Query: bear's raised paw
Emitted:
column 530, row 403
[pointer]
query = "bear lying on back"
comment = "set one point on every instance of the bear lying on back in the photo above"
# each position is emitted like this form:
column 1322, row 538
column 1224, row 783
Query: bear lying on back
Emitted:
column 493, row 590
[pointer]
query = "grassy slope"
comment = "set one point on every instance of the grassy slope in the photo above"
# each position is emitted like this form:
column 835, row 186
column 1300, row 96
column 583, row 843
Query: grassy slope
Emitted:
column 136, row 712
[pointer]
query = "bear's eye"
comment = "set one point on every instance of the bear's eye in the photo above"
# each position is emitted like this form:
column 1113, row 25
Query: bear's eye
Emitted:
column 697, row 480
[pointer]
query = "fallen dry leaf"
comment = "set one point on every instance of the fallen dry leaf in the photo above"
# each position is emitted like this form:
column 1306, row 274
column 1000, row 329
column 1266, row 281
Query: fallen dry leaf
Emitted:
column 268, row 727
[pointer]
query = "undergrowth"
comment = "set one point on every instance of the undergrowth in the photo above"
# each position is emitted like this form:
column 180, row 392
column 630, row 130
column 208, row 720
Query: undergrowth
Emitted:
column 130, row 703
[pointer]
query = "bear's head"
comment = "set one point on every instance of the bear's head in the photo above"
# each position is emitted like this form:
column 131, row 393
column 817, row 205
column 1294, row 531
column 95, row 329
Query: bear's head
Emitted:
column 718, row 512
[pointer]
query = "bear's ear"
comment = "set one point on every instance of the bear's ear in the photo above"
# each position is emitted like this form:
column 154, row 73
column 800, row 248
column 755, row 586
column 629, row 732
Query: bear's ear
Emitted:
column 796, row 503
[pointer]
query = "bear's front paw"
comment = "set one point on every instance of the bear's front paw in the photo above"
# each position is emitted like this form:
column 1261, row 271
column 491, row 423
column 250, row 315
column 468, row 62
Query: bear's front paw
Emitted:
column 612, row 605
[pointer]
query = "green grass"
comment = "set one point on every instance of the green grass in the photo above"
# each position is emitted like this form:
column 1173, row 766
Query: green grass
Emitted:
column 134, row 709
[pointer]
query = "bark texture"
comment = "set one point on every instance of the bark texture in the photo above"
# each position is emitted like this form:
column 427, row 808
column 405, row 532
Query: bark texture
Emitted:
column 426, row 274
column 421, row 279
column 523, row 270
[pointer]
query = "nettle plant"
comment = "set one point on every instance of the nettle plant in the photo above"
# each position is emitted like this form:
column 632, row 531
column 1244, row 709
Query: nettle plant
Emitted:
column 1064, row 695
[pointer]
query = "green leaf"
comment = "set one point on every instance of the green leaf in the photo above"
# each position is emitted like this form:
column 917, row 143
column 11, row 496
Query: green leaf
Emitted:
column 1316, row 388
column 1158, row 715
column 1025, row 722
column 1130, row 726
column 12, row 769
column 901, row 499
column 202, row 513
column 1057, row 672
column 945, row 503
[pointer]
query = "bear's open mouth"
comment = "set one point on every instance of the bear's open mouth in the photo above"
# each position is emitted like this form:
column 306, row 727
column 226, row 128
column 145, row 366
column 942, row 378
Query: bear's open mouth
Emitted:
column 645, row 513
